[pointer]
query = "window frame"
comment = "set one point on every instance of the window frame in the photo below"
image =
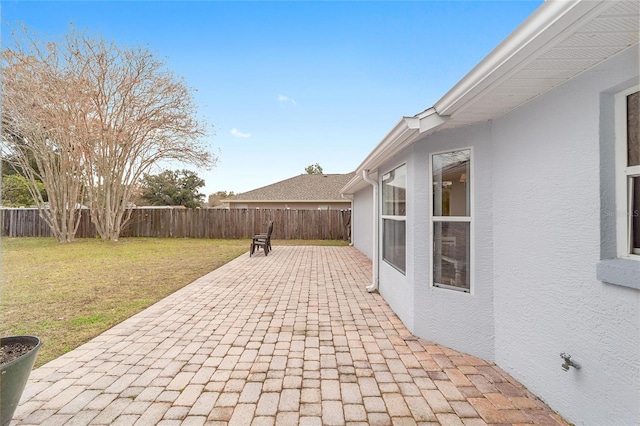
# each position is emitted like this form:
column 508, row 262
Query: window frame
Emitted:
column 397, row 218
column 465, row 219
column 623, row 174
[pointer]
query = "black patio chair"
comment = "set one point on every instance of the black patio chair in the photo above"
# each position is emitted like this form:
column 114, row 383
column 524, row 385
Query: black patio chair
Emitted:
column 262, row 240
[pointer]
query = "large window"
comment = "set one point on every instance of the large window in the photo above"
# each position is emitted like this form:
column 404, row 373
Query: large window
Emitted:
column 394, row 205
column 628, row 172
column 451, row 219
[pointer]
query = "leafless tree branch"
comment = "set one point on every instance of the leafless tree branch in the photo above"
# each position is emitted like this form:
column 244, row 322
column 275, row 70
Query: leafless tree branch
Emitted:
column 102, row 115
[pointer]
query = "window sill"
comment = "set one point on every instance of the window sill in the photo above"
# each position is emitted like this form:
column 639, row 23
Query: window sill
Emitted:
column 623, row 272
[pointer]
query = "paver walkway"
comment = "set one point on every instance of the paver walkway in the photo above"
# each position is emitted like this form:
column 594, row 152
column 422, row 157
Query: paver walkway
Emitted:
column 288, row 339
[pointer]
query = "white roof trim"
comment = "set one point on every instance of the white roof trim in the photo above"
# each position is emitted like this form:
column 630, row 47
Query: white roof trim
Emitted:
column 548, row 27
column 542, row 30
column 403, row 134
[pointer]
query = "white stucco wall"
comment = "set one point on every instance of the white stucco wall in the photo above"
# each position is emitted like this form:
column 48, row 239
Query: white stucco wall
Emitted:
column 396, row 287
column 543, row 176
column 362, row 218
column 463, row 321
column 546, row 244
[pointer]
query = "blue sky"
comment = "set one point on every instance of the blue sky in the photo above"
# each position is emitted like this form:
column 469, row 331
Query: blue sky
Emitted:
column 287, row 84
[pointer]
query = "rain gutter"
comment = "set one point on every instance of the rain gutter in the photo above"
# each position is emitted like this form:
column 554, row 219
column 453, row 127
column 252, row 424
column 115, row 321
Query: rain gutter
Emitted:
column 546, row 27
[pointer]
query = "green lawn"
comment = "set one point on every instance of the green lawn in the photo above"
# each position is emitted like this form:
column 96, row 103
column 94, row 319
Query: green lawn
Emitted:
column 67, row 294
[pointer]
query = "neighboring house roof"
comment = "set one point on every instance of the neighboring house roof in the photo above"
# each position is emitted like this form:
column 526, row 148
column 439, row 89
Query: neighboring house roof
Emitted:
column 560, row 40
column 303, row 188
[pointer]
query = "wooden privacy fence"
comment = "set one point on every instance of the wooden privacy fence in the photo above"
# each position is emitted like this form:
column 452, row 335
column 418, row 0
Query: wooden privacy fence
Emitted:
column 198, row 223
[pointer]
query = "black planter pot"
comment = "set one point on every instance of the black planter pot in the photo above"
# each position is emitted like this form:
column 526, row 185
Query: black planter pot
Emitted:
column 15, row 375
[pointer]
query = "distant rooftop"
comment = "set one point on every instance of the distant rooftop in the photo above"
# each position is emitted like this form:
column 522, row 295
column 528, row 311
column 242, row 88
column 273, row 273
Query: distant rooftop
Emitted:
column 305, row 187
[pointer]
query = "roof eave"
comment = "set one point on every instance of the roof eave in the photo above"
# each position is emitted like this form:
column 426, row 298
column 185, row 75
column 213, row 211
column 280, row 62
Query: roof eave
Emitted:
column 401, row 133
column 405, row 132
column 543, row 30
column 540, row 31
column 354, row 185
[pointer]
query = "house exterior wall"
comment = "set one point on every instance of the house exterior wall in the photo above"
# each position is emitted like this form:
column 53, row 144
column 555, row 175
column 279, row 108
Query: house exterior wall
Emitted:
column 542, row 180
column 396, row 287
column 463, row 321
column 547, row 241
column 362, row 219
column 451, row 318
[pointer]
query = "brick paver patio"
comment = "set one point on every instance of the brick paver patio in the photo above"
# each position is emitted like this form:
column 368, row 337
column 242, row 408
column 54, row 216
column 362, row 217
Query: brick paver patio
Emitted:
column 288, row 339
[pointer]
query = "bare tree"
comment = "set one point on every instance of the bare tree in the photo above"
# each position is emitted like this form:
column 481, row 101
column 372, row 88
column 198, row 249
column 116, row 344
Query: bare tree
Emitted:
column 139, row 114
column 125, row 113
column 35, row 136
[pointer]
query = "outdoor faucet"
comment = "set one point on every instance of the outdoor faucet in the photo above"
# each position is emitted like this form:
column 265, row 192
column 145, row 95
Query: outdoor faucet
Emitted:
column 568, row 363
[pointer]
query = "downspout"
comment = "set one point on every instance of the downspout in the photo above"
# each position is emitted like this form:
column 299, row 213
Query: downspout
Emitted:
column 374, row 285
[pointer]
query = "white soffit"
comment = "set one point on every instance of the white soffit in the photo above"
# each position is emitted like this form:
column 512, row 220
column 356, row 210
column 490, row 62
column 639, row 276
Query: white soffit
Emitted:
column 605, row 29
column 559, row 41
